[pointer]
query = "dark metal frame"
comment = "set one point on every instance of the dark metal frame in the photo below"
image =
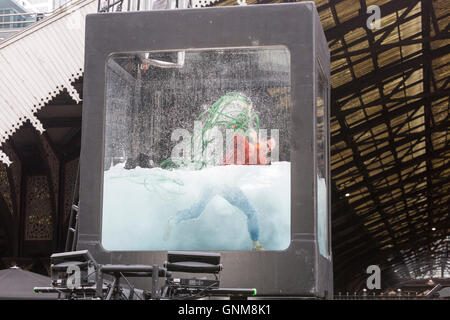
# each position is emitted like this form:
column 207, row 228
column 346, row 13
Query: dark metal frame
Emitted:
column 298, row 270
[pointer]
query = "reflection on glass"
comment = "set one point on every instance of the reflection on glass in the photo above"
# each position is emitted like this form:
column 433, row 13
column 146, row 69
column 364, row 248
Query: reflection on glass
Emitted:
column 197, row 150
column 322, row 194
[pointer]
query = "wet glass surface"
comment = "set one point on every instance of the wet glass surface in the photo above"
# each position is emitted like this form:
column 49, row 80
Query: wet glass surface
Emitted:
column 197, row 150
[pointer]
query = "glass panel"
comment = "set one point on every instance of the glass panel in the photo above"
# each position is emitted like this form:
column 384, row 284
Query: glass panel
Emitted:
column 197, row 150
column 321, row 151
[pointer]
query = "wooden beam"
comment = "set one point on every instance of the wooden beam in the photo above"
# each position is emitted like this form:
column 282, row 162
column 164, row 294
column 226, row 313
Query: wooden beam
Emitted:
column 343, row 28
column 392, row 69
column 393, row 170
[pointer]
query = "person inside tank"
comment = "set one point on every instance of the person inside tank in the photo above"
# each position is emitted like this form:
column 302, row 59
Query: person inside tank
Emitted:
column 255, row 153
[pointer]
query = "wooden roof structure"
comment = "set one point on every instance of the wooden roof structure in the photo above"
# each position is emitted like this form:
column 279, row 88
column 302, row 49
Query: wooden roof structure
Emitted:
column 390, row 155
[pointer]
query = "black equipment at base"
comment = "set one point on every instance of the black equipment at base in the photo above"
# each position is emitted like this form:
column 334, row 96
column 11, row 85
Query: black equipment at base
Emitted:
column 76, row 275
column 64, row 264
column 73, row 276
column 193, row 288
column 193, row 262
column 124, row 271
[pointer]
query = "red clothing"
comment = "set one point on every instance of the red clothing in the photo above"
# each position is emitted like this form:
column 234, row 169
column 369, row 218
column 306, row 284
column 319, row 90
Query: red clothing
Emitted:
column 252, row 152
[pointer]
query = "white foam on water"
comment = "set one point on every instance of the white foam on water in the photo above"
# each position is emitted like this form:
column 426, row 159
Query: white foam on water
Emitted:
column 138, row 203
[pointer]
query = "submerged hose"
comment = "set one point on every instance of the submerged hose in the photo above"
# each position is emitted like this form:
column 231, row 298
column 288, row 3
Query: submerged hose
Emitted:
column 217, row 116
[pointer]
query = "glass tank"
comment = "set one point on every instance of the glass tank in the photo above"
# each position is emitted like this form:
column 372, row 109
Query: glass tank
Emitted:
column 197, row 150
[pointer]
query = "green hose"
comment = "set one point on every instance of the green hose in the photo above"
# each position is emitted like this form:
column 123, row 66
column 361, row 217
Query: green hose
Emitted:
column 240, row 121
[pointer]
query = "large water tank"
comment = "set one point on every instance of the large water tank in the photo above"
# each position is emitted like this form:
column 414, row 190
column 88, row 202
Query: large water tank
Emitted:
column 207, row 129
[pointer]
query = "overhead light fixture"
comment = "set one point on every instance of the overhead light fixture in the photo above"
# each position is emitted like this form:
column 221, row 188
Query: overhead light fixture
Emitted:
column 433, row 229
column 347, row 194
